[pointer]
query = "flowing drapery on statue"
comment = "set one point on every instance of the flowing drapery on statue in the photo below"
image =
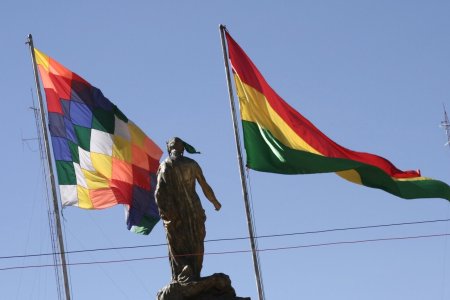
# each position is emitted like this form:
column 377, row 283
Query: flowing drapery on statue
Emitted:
column 102, row 158
column 278, row 139
column 182, row 212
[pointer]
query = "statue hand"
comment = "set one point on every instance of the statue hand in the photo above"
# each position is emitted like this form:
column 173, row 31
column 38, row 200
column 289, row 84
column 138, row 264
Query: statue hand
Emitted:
column 217, row 205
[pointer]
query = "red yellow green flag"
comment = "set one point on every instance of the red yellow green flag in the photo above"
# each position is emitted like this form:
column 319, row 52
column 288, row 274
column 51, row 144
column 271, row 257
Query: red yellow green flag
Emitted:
column 278, row 139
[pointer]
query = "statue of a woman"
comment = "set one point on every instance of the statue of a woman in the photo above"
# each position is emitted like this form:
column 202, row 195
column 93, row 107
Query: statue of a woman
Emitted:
column 181, row 210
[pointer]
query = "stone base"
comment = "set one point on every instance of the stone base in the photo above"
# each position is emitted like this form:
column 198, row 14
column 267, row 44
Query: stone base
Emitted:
column 214, row 287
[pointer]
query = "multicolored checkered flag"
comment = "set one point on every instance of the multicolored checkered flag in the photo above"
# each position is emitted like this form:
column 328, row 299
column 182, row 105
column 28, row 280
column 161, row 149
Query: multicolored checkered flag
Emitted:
column 102, row 158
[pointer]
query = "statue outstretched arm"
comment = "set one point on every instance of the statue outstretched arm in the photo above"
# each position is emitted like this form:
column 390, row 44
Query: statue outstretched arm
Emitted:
column 207, row 190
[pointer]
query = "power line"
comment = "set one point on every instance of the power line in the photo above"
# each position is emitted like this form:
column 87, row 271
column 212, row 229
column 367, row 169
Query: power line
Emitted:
column 236, row 238
column 237, row 251
column 339, row 229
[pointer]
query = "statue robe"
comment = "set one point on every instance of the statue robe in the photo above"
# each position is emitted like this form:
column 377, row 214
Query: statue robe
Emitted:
column 182, row 214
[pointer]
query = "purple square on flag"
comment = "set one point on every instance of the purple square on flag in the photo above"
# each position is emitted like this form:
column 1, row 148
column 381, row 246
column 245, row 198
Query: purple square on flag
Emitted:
column 80, row 114
column 100, row 100
column 70, row 131
column 65, row 104
column 135, row 217
column 141, row 199
column 56, row 124
column 61, row 149
column 143, row 204
column 82, row 93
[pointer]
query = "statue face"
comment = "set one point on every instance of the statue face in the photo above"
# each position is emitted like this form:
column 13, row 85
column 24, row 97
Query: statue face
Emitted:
column 175, row 144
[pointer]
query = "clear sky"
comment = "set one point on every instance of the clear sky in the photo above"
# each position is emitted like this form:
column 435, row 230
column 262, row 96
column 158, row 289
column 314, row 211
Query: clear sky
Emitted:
column 372, row 75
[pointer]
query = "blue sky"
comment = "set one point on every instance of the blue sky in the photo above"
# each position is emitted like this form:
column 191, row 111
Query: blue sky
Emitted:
column 372, row 75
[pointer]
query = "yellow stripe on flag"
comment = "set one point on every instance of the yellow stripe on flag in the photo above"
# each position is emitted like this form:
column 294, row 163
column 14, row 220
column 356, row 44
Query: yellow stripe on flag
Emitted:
column 350, row 175
column 256, row 109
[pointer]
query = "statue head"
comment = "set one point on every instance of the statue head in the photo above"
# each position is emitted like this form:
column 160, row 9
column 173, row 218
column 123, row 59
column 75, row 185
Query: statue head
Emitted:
column 175, row 147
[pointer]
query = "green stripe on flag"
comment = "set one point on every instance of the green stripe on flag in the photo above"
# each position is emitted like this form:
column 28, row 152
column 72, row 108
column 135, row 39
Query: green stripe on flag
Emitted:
column 265, row 153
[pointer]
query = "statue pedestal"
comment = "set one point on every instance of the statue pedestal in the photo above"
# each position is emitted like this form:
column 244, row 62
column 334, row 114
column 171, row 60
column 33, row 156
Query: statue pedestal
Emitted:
column 214, row 287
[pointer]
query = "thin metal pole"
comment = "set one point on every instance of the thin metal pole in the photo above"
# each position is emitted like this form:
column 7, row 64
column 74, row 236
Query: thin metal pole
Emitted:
column 446, row 125
column 241, row 168
column 51, row 173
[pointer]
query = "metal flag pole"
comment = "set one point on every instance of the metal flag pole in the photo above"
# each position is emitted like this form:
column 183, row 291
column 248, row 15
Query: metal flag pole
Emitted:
column 51, row 173
column 256, row 264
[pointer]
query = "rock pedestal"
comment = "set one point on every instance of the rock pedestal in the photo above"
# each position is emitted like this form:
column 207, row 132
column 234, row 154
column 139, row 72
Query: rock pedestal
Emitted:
column 214, row 287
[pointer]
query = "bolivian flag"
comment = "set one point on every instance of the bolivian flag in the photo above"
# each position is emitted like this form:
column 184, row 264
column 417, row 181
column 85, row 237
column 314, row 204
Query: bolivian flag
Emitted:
column 278, row 139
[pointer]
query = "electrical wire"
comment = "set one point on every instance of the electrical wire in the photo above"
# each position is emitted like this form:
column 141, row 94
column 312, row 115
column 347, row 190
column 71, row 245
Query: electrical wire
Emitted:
column 238, row 238
column 238, row 251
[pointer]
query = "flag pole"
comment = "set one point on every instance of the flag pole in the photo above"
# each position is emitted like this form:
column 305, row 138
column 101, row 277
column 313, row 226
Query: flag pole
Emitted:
column 256, row 264
column 51, row 173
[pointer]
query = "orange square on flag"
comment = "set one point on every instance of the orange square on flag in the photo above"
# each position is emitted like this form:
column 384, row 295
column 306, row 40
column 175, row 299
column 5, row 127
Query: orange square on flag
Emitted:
column 122, row 171
column 102, row 198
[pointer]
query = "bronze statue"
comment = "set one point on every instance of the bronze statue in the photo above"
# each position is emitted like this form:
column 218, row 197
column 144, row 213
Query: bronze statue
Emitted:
column 184, row 221
column 181, row 210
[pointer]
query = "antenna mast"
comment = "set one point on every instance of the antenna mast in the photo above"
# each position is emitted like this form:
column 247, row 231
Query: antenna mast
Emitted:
column 446, row 125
